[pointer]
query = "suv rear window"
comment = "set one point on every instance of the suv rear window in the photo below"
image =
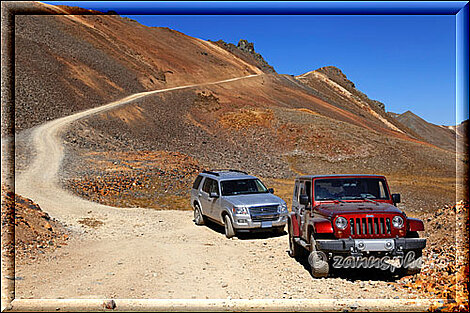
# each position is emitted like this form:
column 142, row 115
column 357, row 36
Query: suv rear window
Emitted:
column 197, row 182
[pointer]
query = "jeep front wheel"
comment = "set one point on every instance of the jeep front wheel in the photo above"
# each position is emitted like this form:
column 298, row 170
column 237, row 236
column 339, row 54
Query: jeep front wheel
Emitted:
column 411, row 263
column 229, row 231
column 318, row 261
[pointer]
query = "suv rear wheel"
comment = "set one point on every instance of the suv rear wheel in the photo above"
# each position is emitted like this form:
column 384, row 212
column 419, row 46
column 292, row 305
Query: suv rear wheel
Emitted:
column 229, row 231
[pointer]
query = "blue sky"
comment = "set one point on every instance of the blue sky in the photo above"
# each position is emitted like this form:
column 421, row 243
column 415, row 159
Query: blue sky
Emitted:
column 406, row 62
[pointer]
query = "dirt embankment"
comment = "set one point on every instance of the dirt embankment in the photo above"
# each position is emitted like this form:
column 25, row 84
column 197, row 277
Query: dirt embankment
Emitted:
column 35, row 232
column 445, row 271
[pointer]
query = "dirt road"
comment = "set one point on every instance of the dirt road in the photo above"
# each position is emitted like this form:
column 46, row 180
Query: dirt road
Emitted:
column 142, row 253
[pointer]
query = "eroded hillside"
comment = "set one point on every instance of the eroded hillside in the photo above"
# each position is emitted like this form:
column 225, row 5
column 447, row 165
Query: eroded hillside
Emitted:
column 272, row 125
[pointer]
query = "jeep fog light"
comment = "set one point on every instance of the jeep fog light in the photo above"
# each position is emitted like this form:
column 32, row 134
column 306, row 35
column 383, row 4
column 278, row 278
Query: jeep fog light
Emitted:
column 242, row 221
column 361, row 245
column 397, row 222
column 341, row 222
column 388, row 245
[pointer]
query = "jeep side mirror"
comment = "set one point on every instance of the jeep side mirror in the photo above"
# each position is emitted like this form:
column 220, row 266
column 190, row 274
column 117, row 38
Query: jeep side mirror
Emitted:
column 214, row 195
column 271, row 190
column 396, row 198
column 303, row 199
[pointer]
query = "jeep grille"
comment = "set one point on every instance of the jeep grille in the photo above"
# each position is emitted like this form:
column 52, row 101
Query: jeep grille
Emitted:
column 370, row 226
column 366, row 226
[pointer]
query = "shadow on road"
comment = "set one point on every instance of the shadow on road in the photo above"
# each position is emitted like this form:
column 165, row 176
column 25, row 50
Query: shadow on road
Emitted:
column 354, row 274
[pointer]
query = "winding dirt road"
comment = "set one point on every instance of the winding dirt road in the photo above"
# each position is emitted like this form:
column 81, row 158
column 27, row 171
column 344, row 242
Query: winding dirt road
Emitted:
column 142, row 253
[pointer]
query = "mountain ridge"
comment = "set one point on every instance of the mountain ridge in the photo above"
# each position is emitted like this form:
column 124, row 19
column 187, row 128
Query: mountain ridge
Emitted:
column 273, row 125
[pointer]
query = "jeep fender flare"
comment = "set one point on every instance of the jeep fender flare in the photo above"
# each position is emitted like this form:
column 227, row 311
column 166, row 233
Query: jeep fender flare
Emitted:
column 320, row 225
column 415, row 224
column 295, row 224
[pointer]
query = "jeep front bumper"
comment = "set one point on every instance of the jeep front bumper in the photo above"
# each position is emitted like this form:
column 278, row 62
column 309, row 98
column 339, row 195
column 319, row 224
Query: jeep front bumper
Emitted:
column 394, row 246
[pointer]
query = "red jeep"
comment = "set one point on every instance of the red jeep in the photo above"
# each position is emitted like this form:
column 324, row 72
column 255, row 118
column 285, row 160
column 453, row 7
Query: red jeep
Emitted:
column 352, row 221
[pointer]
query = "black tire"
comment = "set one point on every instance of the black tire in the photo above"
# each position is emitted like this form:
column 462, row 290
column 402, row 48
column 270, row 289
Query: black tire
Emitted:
column 229, row 231
column 319, row 266
column 295, row 250
column 411, row 263
column 199, row 219
column 412, row 234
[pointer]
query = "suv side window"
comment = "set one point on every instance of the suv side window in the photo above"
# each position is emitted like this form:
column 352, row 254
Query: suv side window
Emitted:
column 206, row 187
column 214, row 187
column 197, row 182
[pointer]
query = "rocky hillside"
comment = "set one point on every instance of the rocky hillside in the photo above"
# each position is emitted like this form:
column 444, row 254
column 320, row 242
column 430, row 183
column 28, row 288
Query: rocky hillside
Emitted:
column 246, row 51
column 440, row 136
column 461, row 129
column 81, row 61
column 332, row 85
column 272, row 125
column 34, row 231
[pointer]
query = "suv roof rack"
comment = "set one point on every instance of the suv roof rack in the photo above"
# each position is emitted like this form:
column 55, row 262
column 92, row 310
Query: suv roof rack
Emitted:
column 215, row 171
column 211, row 172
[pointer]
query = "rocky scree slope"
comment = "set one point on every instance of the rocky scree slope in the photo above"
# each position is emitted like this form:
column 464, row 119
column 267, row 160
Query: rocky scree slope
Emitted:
column 332, row 85
column 444, row 137
column 84, row 60
column 271, row 125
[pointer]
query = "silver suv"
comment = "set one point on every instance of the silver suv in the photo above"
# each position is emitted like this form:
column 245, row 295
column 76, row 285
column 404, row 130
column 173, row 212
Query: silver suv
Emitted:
column 238, row 201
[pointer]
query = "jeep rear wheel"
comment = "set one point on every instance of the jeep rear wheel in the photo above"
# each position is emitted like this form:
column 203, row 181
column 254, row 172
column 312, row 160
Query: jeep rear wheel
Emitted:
column 229, row 231
column 294, row 248
column 318, row 261
column 198, row 217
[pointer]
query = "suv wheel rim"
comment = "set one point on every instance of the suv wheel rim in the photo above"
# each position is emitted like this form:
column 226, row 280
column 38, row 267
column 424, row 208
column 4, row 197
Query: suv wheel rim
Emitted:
column 197, row 215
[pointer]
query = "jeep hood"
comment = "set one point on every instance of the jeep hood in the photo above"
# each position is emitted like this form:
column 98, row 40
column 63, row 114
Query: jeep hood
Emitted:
column 255, row 199
column 330, row 209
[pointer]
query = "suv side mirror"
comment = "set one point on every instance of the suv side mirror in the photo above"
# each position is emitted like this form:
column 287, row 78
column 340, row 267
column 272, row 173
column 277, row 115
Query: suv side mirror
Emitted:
column 214, row 195
column 396, row 198
column 303, row 199
column 271, row 190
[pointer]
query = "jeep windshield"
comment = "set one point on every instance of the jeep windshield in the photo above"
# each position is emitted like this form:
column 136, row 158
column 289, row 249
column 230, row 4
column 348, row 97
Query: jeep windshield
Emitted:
column 350, row 189
column 242, row 186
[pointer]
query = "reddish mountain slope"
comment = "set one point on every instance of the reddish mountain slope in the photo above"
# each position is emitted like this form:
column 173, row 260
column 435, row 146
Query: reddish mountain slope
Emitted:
column 437, row 135
column 332, row 85
column 271, row 125
column 86, row 60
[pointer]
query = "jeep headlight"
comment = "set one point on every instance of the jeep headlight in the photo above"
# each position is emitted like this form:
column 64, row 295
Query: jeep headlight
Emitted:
column 341, row 223
column 397, row 221
column 240, row 210
column 282, row 208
